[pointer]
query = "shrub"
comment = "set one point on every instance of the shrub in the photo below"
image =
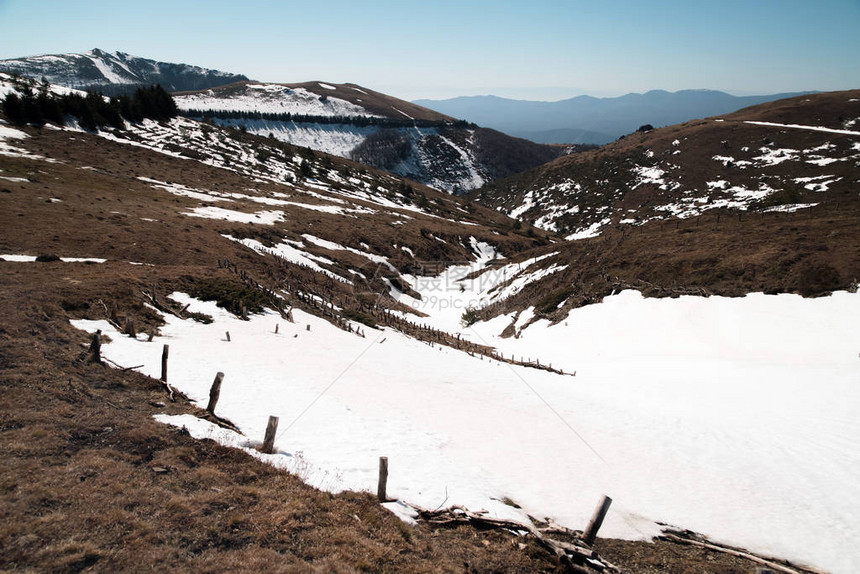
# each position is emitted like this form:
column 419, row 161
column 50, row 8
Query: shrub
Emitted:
column 200, row 317
column 550, row 303
column 228, row 294
column 469, row 317
column 360, row 317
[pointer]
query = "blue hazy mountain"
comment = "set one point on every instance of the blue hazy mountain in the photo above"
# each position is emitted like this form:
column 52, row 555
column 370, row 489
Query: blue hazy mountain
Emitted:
column 586, row 119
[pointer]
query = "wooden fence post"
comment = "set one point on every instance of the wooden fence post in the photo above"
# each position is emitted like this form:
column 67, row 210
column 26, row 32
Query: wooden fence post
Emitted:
column 129, row 327
column 383, row 479
column 164, row 352
column 215, row 392
column 269, row 441
column 96, row 346
column 228, row 336
column 276, row 328
column 596, row 520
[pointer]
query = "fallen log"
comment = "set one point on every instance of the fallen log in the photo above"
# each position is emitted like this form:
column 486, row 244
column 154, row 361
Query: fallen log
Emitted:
column 160, row 307
column 735, row 552
column 569, row 554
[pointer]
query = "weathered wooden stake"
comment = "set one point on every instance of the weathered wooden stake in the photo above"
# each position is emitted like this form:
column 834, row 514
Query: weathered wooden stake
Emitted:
column 596, row 520
column 309, row 327
column 96, row 346
column 129, row 327
column 164, row 352
column 383, row 479
column 215, row 392
column 269, row 441
column 228, row 336
column 276, row 328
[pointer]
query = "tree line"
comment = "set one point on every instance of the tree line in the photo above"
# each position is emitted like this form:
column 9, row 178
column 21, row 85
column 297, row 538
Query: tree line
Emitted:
column 38, row 105
column 360, row 121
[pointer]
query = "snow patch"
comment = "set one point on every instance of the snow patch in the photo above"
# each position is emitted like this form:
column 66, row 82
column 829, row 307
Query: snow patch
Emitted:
column 803, row 127
column 684, row 410
column 261, row 217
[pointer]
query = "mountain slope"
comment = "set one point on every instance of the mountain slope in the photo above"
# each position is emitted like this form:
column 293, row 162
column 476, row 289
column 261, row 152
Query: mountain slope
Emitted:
column 586, row 119
column 737, row 161
column 115, row 72
column 761, row 200
column 371, row 128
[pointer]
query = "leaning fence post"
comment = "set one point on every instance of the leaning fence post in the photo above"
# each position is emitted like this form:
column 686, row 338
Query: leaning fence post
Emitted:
column 269, row 441
column 596, row 520
column 215, row 392
column 164, row 353
column 383, row 479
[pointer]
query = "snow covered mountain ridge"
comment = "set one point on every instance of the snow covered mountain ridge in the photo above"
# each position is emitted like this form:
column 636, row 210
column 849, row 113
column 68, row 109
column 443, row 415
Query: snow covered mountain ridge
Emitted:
column 440, row 151
column 115, row 72
column 370, row 127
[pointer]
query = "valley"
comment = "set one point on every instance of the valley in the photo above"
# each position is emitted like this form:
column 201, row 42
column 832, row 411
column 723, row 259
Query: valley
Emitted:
column 668, row 319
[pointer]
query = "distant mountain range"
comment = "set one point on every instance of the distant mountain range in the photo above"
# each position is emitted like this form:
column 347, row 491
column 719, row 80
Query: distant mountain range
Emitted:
column 590, row 120
column 115, row 72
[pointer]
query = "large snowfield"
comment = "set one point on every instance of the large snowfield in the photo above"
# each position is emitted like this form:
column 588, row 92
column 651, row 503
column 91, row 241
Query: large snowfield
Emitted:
column 736, row 418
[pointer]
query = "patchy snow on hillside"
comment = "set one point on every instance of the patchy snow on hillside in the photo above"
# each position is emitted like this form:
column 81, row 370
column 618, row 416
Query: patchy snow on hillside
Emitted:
column 8, row 149
column 452, row 171
column 32, row 258
column 184, row 191
column 270, row 98
column 553, row 201
column 292, row 253
column 336, row 139
column 473, row 179
column 682, row 410
column 652, row 175
column 332, row 246
column 528, row 203
column 817, row 183
column 592, row 230
column 771, row 156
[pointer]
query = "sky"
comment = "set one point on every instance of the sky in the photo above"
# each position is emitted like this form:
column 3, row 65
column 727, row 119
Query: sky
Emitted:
column 524, row 49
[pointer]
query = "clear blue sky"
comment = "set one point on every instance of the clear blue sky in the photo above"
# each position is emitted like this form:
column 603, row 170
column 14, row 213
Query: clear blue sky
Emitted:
column 529, row 49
